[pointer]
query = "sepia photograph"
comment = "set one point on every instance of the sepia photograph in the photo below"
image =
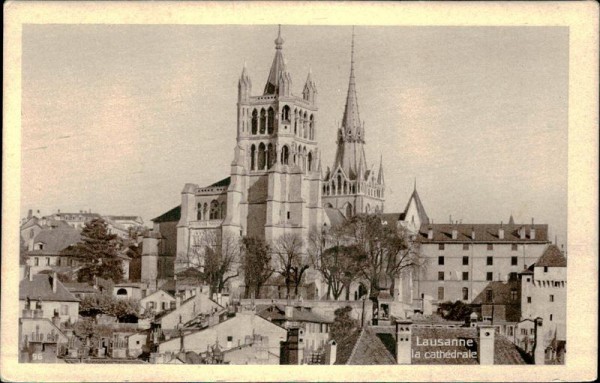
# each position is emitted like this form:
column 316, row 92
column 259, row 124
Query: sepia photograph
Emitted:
column 289, row 193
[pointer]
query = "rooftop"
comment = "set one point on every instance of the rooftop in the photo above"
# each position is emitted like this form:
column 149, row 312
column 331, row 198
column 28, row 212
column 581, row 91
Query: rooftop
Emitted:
column 552, row 257
column 276, row 313
column 40, row 287
column 484, row 232
column 172, row 215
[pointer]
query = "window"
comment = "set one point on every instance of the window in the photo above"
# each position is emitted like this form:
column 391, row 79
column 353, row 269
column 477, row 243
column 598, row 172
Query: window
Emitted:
column 489, row 276
column 440, row 275
column 545, row 269
column 512, row 276
column 528, row 299
column 36, row 261
column 514, row 261
column 465, row 261
column 214, row 210
column 490, row 261
column 64, row 310
column 440, row 260
column 441, row 246
column 47, row 261
column 440, row 293
column 551, row 298
column 121, row 292
column 523, row 331
column 288, row 215
column 489, row 295
column 199, row 212
column 513, row 294
column 173, row 305
column 514, row 247
column 550, row 317
column 465, row 276
column 532, row 331
column 465, row 293
column 229, row 338
column 490, row 246
column 165, row 305
column 465, row 246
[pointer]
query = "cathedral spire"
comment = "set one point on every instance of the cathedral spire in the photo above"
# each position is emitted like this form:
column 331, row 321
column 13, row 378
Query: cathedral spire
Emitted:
column 380, row 179
column 277, row 67
column 351, row 120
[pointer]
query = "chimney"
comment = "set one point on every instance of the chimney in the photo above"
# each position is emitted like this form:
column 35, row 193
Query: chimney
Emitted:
column 56, row 318
column 486, row 344
column 29, row 214
column 522, row 232
column 430, row 233
column 472, row 233
column 454, row 233
column 404, row 342
column 331, row 352
column 501, row 231
column 289, row 311
column 539, row 352
column 54, row 282
column 532, row 231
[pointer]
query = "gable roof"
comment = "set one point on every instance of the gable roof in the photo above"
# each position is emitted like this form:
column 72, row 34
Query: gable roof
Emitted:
column 173, row 215
column 370, row 350
column 223, row 182
column 277, row 313
column 56, row 240
column 414, row 197
column 552, row 257
column 484, row 232
column 504, row 307
column 390, row 218
column 40, row 287
column 335, row 216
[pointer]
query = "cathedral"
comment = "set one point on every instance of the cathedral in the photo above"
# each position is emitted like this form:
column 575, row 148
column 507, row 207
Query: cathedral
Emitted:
column 277, row 184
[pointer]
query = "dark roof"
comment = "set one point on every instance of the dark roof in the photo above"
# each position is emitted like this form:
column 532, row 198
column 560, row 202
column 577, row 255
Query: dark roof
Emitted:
column 335, row 216
column 79, row 287
column 276, row 313
column 552, row 257
column 223, row 182
column 504, row 307
column 484, row 232
column 345, row 347
column 370, row 350
column 390, row 218
column 172, row 215
column 56, row 240
column 420, row 208
column 41, row 287
column 124, row 217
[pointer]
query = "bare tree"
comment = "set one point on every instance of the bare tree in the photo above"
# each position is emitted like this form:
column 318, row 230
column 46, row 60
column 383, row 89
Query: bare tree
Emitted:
column 216, row 255
column 384, row 251
column 256, row 264
column 292, row 262
column 339, row 264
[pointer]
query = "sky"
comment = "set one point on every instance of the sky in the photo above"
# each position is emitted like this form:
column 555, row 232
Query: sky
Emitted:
column 117, row 118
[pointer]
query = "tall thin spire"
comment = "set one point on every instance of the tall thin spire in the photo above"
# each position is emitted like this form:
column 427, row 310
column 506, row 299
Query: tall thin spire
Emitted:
column 352, row 57
column 415, row 186
column 278, row 66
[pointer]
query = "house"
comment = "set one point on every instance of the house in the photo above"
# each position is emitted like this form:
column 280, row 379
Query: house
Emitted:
column 81, row 289
column 315, row 327
column 137, row 343
column 157, row 302
column 48, row 249
column 129, row 290
column 49, row 294
column 40, row 338
column 187, row 310
column 499, row 303
column 233, row 332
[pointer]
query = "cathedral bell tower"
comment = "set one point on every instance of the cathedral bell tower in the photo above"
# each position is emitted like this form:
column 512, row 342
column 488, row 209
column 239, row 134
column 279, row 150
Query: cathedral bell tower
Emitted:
column 275, row 174
column 351, row 185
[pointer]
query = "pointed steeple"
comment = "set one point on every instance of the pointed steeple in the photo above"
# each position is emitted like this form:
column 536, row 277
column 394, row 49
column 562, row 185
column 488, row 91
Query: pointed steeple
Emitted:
column 277, row 67
column 244, row 85
column 310, row 89
column 380, row 179
column 351, row 121
column 511, row 220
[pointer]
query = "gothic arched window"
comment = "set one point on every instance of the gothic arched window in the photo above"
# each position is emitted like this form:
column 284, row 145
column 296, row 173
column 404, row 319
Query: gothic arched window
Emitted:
column 205, row 211
column 261, row 156
column 285, row 154
column 270, row 155
column 199, row 212
column 305, row 126
column 252, row 157
column 254, row 121
column 348, row 210
column 263, row 121
column 310, row 161
column 214, row 210
column 312, row 127
column 285, row 114
column 271, row 121
column 295, row 122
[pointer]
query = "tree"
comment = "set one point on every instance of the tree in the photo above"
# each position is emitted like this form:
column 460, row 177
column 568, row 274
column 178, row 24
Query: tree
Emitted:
column 125, row 310
column 457, row 311
column 338, row 264
column 216, row 255
column 98, row 252
column 343, row 325
column 292, row 262
column 256, row 264
column 384, row 252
